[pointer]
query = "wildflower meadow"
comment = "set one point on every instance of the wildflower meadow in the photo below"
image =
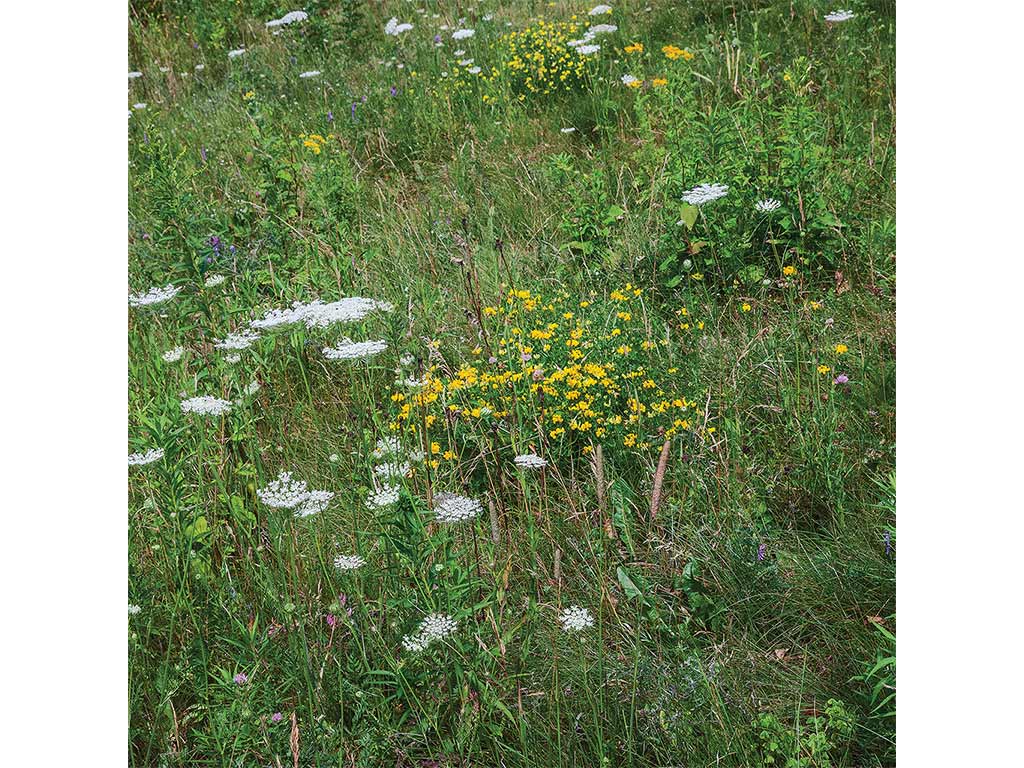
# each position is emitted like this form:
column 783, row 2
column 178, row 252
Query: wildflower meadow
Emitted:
column 511, row 384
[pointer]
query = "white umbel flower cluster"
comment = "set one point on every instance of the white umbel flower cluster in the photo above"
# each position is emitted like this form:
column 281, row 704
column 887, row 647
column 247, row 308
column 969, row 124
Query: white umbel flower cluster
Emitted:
column 705, row 193
column 836, row 16
column 575, row 619
column 434, row 627
column 383, row 498
column 587, row 50
column 153, row 296
column 309, row 74
column 463, row 34
column 214, row 280
column 347, row 349
column 394, row 29
column 289, row 18
column 767, row 205
column 286, row 493
column 387, row 446
column 317, row 314
column 348, row 562
column 627, row 79
column 392, row 469
column 173, row 355
column 206, row 405
column 238, row 340
column 599, row 10
column 133, row 75
column 316, row 501
column 236, row 53
column 456, row 509
column 530, row 461
column 138, row 459
column 602, row 29
column 133, row 609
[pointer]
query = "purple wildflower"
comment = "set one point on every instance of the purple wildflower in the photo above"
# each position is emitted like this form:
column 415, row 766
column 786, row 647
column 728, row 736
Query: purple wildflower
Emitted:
column 842, row 378
column 332, row 620
column 330, row 116
column 437, row 38
column 394, row 91
column 241, row 678
column 232, row 249
column 353, row 110
column 277, row 717
column 888, row 543
column 215, row 244
column 202, row 153
column 762, row 550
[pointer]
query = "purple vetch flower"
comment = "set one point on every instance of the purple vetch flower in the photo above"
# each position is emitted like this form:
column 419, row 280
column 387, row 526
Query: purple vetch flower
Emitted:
column 202, row 153
column 277, row 717
column 437, row 39
column 353, row 110
column 241, row 678
column 330, row 116
column 363, row 99
column 145, row 137
column 331, row 620
column 394, row 91
column 888, row 543
column 762, row 550
column 232, row 249
column 842, row 378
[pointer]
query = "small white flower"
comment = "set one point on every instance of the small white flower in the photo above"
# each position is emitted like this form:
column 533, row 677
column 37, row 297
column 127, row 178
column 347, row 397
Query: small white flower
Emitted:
column 465, row 62
column 836, row 16
column 474, row 70
column 133, row 75
column 165, row 69
column 463, row 34
column 232, row 359
column 139, row 105
column 488, row 17
column 434, row 627
column 206, row 405
column 387, row 446
column 599, row 10
column 394, row 29
column 311, row 73
column 347, row 349
column 236, row 53
column 705, row 193
column 459, row 52
column 627, row 79
column 334, row 458
column 315, row 501
column 385, row 497
column 456, row 509
column 200, row 67
column 348, row 562
column 133, row 609
column 289, row 18
column 575, row 619
column 173, row 355
column 251, row 389
column 569, row 130
column 416, row 456
column 767, row 205
column 530, row 461
column 238, row 341
column 139, row 459
column 587, row 50
column 214, row 280
column 283, row 493
column 602, row 29
column 391, row 469
column 317, row 314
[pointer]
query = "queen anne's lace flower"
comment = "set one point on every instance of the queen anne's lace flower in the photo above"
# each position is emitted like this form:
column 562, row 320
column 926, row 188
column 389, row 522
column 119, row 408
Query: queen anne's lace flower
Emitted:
column 705, row 193
column 206, row 405
column 392, row 469
column 602, row 29
column 317, row 314
column 236, row 53
column 173, row 355
column 599, row 10
column 348, row 562
column 238, row 340
column 385, row 497
column 836, row 16
column 283, row 493
column 133, row 609
column 767, row 205
column 387, row 446
column 628, row 79
column 133, row 75
column 347, row 349
column 587, row 50
column 289, row 18
column 138, row 459
column 394, row 29
column 214, row 280
column 456, row 509
column 575, row 619
column 153, row 296
column 531, row 461
column 309, row 74
column 434, row 627
column 315, row 501
column 463, row 34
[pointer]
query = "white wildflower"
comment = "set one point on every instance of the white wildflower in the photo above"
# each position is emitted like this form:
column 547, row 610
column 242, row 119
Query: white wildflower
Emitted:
column 385, row 497
column 334, row 458
column 417, row 456
column 627, row 79
column 347, row 349
column 705, row 193
column 348, row 562
column 392, row 469
column 602, row 29
column 456, row 509
column 238, row 341
column 315, row 501
column 575, row 619
column 138, row 459
column 587, row 50
column 474, row 70
column 836, row 16
column 165, row 69
column 434, row 627
column 133, row 75
column 599, row 10
column 394, row 29
column 530, row 461
column 317, row 314
column 214, row 280
column 133, row 609
column 232, row 359
column 173, row 355
column 465, row 62
column 387, row 446
column 767, row 205
column 206, row 405
column 283, row 493
column 236, row 53
column 289, row 18
column 459, row 52
column 569, row 130
column 311, row 73
column 140, row 105
column 463, row 34
column 200, row 67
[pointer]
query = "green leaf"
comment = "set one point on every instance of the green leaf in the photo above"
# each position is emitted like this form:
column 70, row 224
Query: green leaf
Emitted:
column 628, row 586
column 688, row 214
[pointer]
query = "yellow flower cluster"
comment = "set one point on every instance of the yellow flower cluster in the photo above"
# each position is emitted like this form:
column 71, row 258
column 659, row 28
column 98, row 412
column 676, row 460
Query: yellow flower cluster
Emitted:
column 561, row 373
column 537, row 59
column 672, row 53
column 634, row 48
column 314, row 142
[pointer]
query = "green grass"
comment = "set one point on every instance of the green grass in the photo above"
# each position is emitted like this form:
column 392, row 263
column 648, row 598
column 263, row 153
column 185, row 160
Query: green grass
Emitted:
column 749, row 619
